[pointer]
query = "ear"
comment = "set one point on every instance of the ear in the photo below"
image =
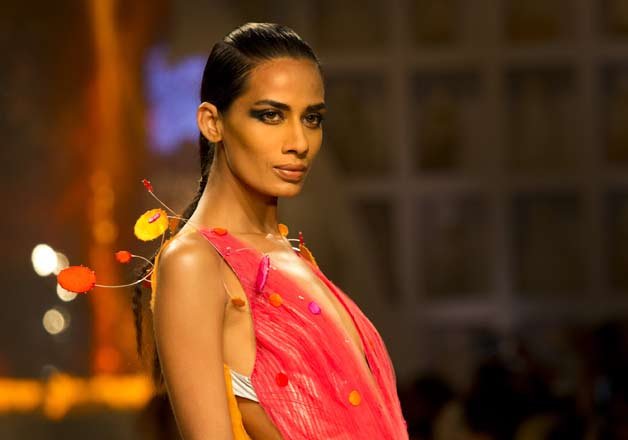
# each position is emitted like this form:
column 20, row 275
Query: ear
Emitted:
column 209, row 122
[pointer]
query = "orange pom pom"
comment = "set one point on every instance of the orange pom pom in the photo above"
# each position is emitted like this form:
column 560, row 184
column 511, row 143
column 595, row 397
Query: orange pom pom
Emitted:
column 238, row 302
column 283, row 229
column 355, row 398
column 77, row 279
column 123, row 256
column 172, row 224
column 275, row 299
column 219, row 231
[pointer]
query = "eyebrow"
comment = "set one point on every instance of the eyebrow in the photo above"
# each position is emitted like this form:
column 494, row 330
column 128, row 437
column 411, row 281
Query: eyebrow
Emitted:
column 286, row 107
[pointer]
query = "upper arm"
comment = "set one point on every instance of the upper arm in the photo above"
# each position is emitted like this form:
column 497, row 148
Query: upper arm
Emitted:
column 188, row 319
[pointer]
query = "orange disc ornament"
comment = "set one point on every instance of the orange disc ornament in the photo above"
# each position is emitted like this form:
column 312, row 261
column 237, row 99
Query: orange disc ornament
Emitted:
column 77, row 279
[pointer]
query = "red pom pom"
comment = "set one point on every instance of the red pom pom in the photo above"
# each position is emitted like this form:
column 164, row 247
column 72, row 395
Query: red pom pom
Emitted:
column 123, row 256
column 219, row 231
column 147, row 185
column 281, row 379
column 77, row 279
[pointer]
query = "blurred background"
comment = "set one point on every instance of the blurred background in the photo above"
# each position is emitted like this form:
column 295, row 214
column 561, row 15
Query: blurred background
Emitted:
column 471, row 196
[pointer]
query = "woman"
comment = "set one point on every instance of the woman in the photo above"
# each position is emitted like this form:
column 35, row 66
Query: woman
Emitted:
column 252, row 340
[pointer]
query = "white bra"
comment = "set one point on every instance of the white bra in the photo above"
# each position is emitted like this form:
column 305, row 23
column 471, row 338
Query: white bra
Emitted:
column 242, row 386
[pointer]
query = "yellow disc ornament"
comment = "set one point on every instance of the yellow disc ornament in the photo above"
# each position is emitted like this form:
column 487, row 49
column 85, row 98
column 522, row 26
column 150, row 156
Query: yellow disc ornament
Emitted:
column 151, row 225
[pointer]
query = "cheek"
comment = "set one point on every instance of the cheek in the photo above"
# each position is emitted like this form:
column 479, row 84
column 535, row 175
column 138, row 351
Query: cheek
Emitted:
column 250, row 144
column 315, row 141
column 252, row 156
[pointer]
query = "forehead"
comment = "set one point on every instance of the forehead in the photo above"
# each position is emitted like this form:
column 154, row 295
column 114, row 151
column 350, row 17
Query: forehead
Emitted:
column 285, row 79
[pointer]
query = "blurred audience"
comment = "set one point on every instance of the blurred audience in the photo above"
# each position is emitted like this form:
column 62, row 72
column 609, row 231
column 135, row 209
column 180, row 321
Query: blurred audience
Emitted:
column 517, row 397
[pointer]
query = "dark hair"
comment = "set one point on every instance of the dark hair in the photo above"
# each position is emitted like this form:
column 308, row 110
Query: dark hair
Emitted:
column 224, row 79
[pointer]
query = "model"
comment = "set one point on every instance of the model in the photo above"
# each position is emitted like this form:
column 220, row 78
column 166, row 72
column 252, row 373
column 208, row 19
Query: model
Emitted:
column 251, row 340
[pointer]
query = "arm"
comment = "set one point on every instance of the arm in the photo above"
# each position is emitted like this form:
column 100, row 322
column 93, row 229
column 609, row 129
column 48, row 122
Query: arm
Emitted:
column 188, row 319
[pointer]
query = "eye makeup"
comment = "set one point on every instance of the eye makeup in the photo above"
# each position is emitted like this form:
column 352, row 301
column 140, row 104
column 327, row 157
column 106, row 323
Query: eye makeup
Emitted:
column 261, row 113
column 269, row 115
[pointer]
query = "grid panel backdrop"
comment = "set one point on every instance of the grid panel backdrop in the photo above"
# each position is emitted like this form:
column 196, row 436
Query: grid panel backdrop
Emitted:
column 490, row 139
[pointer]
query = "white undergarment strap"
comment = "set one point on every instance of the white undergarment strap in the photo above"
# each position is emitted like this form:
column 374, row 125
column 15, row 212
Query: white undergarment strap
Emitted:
column 242, row 386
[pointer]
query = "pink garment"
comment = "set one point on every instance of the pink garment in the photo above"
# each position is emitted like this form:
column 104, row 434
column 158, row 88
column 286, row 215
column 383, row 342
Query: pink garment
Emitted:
column 308, row 376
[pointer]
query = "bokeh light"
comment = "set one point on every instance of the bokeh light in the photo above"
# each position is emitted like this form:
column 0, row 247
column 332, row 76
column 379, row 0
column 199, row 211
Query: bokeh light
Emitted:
column 65, row 295
column 55, row 321
column 44, row 260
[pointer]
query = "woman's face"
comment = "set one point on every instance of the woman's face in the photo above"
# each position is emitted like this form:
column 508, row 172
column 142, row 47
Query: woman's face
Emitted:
column 276, row 123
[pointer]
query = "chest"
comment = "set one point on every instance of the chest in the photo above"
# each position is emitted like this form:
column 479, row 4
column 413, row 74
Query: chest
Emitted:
column 317, row 291
column 291, row 268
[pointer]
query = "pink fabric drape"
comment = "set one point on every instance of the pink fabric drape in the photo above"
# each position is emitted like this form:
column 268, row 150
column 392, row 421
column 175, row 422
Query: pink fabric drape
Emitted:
column 309, row 377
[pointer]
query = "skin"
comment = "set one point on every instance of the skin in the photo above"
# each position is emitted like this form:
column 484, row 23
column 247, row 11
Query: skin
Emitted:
column 241, row 195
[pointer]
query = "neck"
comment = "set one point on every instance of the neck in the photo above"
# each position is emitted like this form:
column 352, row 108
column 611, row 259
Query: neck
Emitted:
column 229, row 203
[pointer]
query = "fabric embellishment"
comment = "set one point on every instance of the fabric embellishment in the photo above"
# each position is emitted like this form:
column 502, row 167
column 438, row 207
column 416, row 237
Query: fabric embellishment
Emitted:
column 238, row 302
column 275, row 299
column 283, row 229
column 219, row 231
column 355, row 398
column 281, row 379
column 262, row 274
column 314, row 308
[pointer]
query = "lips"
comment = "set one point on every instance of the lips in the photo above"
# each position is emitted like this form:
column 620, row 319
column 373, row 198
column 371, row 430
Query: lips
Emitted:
column 292, row 167
column 291, row 173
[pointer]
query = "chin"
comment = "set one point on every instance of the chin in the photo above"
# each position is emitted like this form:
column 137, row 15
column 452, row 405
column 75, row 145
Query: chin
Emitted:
column 289, row 190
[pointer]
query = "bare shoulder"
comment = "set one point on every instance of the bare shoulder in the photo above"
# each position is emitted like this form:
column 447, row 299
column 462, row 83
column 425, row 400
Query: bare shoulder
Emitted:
column 189, row 265
column 189, row 248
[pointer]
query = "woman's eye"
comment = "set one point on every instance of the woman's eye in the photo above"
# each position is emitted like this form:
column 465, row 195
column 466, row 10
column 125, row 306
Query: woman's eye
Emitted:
column 270, row 116
column 315, row 118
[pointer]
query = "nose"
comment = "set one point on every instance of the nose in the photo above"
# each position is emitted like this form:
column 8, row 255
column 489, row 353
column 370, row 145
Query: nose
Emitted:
column 298, row 141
